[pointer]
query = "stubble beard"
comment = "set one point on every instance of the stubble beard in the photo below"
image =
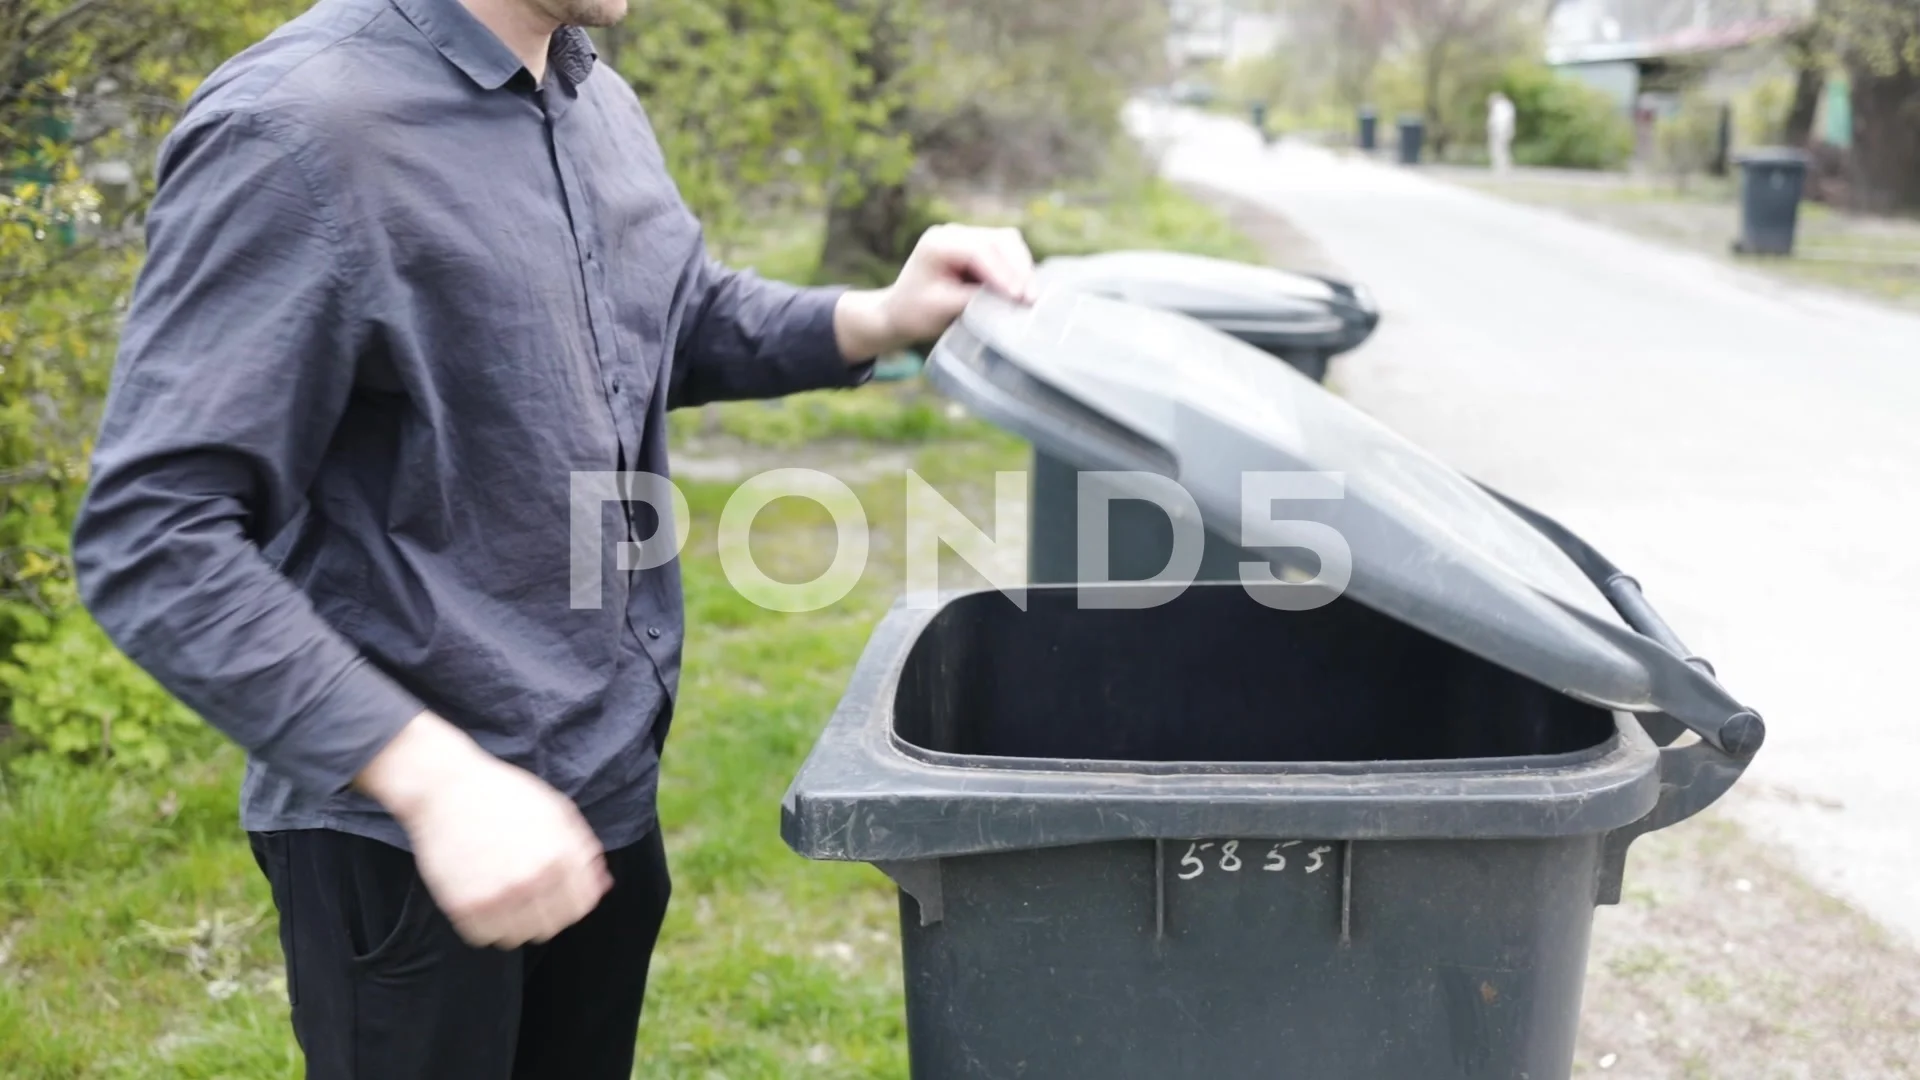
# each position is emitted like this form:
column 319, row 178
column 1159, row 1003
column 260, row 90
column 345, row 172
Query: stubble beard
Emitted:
column 589, row 13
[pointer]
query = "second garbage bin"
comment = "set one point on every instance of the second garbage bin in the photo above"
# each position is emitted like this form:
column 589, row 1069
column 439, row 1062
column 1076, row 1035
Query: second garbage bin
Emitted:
column 1303, row 319
column 1413, row 137
column 1772, row 181
column 1345, row 817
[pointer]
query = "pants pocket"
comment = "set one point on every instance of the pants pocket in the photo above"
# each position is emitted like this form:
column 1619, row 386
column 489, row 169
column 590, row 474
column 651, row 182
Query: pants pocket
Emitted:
column 391, row 920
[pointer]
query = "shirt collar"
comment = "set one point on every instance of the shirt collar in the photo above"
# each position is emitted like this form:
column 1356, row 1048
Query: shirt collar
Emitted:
column 470, row 46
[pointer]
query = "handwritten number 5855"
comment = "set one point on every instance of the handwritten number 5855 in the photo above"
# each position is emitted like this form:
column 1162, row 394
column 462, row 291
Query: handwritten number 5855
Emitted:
column 1192, row 866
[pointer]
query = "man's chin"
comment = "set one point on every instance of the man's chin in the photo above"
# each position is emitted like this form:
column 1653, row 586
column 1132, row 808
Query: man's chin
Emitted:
column 594, row 14
column 612, row 11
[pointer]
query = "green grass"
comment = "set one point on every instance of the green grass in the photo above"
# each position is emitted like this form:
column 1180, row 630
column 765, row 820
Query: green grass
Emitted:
column 893, row 413
column 116, row 903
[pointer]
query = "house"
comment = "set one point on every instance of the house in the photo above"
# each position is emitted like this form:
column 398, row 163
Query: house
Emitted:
column 1647, row 54
column 1204, row 33
column 1635, row 48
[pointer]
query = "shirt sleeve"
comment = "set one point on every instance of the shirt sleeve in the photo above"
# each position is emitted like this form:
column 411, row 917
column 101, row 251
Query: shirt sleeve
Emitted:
column 235, row 366
column 745, row 337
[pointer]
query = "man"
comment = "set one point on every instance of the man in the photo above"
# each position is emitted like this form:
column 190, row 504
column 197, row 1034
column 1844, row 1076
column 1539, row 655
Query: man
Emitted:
column 1500, row 119
column 415, row 264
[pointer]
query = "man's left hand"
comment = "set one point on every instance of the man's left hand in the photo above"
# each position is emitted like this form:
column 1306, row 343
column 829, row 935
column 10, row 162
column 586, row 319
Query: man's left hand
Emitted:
column 949, row 265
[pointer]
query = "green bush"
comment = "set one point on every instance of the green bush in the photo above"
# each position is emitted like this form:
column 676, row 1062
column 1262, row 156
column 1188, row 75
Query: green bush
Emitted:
column 1563, row 123
column 1688, row 141
column 71, row 694
column 1154, row 214
column 1760, row 113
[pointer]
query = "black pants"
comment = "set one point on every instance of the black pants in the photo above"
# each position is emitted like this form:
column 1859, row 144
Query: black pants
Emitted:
column 384, row 989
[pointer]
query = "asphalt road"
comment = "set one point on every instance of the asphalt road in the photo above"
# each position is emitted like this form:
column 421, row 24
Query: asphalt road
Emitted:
column 1749, row 450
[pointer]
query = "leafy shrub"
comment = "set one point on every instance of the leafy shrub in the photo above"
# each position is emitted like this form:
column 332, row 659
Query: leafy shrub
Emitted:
column 1688, row 141
column 1760, row 113
column 1155, row 215
column 1563, row 123
column 72, row 694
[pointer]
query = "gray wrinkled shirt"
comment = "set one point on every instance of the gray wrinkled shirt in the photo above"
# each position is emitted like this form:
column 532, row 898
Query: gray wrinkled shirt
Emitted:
column 396, row 296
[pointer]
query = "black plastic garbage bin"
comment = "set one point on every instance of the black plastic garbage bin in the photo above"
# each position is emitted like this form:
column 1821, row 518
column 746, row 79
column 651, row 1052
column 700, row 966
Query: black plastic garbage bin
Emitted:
column 1772, row 181
column 1413, row 137
column 1233, row 834
column 1369, row 129
column 1304, row 319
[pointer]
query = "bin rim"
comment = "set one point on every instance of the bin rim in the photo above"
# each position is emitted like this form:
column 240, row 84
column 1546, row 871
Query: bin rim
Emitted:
column 1773, row 155
column 851, row 799
column 1131, row 263
column 1119, row 767
column 1269, row 306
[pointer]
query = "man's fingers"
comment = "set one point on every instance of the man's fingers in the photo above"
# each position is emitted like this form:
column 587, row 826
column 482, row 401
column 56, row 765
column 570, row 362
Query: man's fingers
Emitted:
column 990, row 265
column 996, row 258
column 483, row 927
column 1020, row 257
column 583, row 890
column 551, row 913
column 1007, row 262
column 538, row 910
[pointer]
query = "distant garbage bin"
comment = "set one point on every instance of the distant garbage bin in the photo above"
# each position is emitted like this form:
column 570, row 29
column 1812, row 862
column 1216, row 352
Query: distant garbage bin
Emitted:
column 1236, row 834
column 1413, row 137
column 1772, row 181
column 1304, row 319
column 1369, row 129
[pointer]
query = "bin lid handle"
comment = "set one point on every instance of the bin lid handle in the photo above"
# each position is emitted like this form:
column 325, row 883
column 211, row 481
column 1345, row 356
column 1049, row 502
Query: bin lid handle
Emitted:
column 1737, row 734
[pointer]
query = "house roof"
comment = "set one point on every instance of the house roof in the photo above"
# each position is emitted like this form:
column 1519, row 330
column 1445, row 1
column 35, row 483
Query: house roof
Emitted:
column 1688, row 41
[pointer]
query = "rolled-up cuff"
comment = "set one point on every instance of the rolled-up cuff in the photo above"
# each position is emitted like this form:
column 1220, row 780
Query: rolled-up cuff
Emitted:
column 339, row 733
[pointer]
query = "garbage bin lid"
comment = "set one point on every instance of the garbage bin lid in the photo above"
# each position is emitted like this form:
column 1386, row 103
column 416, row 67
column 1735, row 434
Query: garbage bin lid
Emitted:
column 1112, row 386
column 1200, row 286
column 1771, row 155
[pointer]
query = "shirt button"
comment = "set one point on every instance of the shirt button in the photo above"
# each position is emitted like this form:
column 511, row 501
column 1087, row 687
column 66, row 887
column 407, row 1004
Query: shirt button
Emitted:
column 653, row 632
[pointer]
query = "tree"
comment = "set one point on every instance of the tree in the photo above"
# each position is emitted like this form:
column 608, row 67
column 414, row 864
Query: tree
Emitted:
column 992, row 93
column 872, row 216
column 758, row 104
column 1458, row 44
column 1336, row 46
column 1879, row 42
column 1808, row 50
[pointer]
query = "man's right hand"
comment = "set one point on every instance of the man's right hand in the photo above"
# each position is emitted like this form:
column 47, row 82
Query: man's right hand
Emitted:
column 509, row 859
